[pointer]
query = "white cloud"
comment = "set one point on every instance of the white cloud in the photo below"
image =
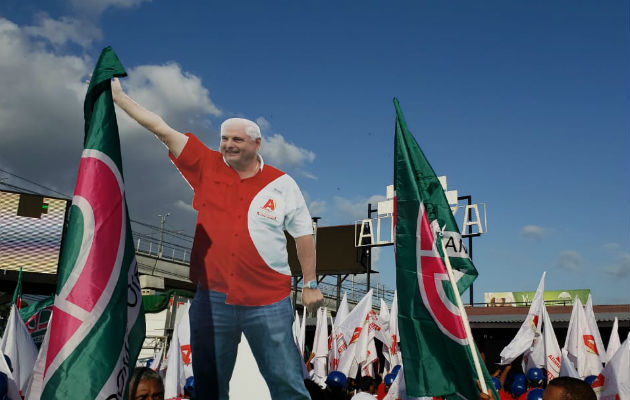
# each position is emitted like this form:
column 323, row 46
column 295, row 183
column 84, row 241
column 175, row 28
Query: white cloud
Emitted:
column 569, row 260
column 182, row 205
column 95, row 8
column 64, row 30
column 41, row 121
column 170, row 92
column 533, row 232
column 356, row 209
column 620, row 268
column 277, row 151
column 317, row 208
column 611, row 246
column 263, row 124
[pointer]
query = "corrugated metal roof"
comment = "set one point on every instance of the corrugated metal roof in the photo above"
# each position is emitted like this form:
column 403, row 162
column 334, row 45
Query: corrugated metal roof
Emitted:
column 510, row 316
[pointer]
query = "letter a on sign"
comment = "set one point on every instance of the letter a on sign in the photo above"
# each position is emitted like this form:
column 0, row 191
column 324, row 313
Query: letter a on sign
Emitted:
column 475, row 220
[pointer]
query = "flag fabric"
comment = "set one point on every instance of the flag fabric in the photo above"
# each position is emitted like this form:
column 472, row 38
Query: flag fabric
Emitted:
column 616, row 375
column 580, row 343
column 17, row 293
column 395, row 357
column 13, row 393
column 383, row 333
column 566, row 367
column 613, row 342
column 179, row 358
column 36, row 317
column 334, row 343
column 348, row 332
column 320, row 347
column 398, row 389
column 529, row 330
column 592, row 324
column 98, row 325
column 36, row 384
column 553, row 354
column 436, row 353
column 157, row 361
column 366, row 347
column 342, row 311
column 18, row 345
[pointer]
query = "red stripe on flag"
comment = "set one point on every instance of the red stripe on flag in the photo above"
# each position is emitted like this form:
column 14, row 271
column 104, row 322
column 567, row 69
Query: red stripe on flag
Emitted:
column 63, row 325
column 99, row 186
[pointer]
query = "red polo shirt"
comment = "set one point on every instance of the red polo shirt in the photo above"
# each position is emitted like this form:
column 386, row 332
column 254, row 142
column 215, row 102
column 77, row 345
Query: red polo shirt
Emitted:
column 239, row 246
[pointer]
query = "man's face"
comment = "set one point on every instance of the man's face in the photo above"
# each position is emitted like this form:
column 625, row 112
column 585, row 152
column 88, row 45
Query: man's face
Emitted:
column 238, row 148
column 149, row 389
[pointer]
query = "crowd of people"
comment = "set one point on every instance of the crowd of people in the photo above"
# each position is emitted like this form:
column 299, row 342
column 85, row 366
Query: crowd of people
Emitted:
column 146, row 384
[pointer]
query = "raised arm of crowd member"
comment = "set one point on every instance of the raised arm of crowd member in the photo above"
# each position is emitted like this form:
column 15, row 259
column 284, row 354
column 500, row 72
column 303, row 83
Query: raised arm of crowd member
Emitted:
column 174, row 140
column 311, row 298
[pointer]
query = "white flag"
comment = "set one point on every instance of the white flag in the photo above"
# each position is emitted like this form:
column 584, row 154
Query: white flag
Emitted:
column 617, row 375
column 36, row 384
column 553, row 354
column 342, row 311
column 524, row 338
column 592, row 324
column 613, row 343
column 395, row 358
column 366, row 348
column 567, row 368
column 320, row 347
column 18, row 345
column 350, row 330
column 296, row 327
column 383, row 333
column 179, row 359
column 157, row 361
column 580, row 343
column 302, row 336
column 13, row 392
column 335, row 342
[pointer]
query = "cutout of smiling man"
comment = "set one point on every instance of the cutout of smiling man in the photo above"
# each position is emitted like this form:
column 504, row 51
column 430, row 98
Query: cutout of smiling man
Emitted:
column 239, row 258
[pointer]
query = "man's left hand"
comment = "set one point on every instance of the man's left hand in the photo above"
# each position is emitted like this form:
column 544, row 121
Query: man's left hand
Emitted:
column 311, row 299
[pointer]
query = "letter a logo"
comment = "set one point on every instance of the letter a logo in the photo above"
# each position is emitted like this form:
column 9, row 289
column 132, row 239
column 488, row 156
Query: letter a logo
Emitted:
column 270, row 205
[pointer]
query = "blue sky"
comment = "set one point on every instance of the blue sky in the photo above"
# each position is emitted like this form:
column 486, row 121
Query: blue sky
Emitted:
column 523, row 105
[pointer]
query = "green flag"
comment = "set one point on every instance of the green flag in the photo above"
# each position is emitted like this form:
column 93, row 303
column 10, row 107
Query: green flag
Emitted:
column 437, row 359
column 36, row 317
column 17, row 293
column 97, row 325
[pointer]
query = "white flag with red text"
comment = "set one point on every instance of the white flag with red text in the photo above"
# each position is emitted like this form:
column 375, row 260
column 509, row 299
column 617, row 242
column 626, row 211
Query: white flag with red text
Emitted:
column 592, row 324
column 349, row 331
column 529, row 330
column 580, row 343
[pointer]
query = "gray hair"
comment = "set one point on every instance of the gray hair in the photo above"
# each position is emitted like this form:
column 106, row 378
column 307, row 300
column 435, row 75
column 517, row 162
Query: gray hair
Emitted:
column 250, row 127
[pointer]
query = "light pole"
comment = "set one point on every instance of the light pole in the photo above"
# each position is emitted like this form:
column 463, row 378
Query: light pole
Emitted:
column 162, row 222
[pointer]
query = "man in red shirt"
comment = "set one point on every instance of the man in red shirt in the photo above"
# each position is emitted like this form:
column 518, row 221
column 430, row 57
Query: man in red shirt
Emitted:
column 239, row 259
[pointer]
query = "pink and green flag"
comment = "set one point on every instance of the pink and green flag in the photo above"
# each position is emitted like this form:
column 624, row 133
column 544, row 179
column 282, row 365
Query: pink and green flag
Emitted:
column 97, row 326
column 437, row 358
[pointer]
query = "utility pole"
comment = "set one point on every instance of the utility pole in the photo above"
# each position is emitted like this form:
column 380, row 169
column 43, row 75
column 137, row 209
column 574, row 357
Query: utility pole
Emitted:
column 162, row 222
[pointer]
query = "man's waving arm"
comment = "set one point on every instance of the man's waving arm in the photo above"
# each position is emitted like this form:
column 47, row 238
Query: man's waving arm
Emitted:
column 174, row 140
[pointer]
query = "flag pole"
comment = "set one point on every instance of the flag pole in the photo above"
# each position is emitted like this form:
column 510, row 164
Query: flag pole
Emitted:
column 462, row 312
